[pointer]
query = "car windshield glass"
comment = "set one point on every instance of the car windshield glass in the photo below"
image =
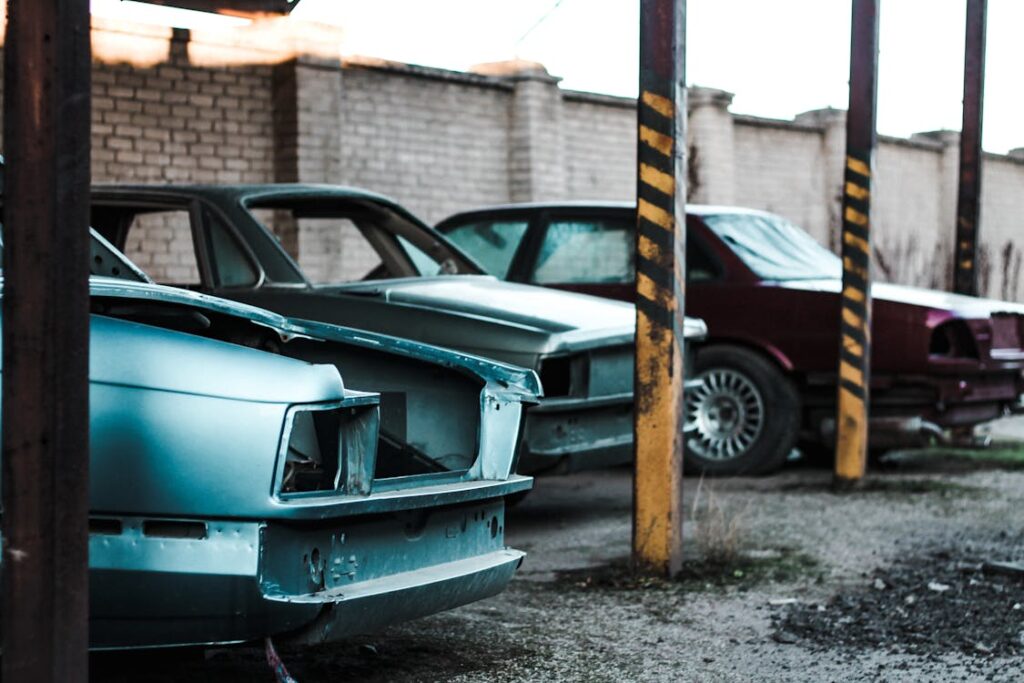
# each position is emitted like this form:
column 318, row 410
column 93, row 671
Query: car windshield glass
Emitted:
column 421, row 260
column 355, row 239
column 774, row 248
column 493, row 243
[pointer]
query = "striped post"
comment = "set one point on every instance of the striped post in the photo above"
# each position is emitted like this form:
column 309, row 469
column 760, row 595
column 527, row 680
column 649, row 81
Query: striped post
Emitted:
column 855, row 307
column 968, row 205
column 660, row 275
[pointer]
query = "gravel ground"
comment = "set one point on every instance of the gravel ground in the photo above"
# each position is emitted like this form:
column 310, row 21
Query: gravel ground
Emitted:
column 819, row 593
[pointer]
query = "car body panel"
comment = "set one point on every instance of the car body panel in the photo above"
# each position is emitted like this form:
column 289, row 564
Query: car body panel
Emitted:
column 525, row 326
column 795, row 322
column 194, row 538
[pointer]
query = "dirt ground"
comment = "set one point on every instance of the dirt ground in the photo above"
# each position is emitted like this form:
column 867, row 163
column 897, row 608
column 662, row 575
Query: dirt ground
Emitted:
column 896, row 582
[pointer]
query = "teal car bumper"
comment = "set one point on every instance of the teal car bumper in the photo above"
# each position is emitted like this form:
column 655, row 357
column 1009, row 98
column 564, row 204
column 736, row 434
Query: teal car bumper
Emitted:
column 186, row 581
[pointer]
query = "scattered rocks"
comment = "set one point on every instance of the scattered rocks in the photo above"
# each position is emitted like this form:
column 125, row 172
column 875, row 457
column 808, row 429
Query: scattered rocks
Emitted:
column 1012, row 569
column 930, row 606
column 784, row 637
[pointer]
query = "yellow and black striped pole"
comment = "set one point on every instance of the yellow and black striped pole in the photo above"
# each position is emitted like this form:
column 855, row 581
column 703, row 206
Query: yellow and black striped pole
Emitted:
column 660, row 276
column 855, row 300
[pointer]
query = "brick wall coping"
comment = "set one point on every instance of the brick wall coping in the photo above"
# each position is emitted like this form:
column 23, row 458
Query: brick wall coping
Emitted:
column 781, row 124
column 428, row 72
column 599, row 98
column 932, row 145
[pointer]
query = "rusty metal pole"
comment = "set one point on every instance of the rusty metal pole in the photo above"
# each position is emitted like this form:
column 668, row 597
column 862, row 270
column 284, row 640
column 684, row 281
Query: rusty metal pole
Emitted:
column 968, row 205
column 660, row 278
column 855, row 316
column 46, row 341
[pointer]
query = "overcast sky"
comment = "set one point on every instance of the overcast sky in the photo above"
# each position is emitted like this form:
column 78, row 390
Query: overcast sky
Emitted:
column 780, row 57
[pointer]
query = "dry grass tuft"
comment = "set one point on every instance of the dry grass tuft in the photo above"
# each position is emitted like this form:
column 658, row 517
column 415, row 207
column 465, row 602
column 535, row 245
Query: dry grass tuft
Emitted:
column 720, row 529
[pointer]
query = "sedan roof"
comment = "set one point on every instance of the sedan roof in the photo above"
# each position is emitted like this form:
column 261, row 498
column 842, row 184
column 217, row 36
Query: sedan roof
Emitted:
column 693, row 209
column 249, row 191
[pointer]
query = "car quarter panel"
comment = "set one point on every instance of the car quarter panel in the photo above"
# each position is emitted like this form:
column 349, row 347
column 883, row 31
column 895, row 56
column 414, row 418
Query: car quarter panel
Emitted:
column 199, row 548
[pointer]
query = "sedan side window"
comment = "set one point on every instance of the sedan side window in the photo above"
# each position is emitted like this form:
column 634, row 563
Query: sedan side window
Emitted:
column 160, row 243
column 585, row 251
column 700, row 266
column 230, row 266
column 492, row 243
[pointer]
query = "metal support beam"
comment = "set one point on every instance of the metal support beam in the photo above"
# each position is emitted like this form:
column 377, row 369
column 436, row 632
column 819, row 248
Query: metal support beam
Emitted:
column 245, row 8
column 45, row 440
column 660, row 278
column 855, row 307
column 968, row 205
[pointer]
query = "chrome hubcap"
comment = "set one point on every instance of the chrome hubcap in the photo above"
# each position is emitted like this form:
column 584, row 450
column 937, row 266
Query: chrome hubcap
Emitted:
column 725, row 415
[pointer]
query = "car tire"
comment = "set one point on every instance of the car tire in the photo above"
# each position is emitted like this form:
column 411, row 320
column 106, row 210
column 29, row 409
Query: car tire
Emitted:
column 746, row 418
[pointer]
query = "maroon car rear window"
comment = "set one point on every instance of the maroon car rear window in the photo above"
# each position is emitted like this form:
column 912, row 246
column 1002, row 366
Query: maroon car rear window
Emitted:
column 774, row 248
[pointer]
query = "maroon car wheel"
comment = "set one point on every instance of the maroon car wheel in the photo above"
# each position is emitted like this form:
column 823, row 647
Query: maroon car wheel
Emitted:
column 744, row 419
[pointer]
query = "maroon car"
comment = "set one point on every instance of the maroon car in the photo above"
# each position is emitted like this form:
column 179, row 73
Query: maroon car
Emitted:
column 769, row 293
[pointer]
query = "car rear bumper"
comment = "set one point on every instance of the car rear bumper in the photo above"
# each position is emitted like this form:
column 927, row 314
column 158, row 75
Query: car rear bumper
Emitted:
column 572, row 434
column 162, row 583
column 908, row 409
column 948, row 401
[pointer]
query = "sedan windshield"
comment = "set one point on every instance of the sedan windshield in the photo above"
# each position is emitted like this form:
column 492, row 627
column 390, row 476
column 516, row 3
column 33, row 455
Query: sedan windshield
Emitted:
column 774, row 248
column 358, row 239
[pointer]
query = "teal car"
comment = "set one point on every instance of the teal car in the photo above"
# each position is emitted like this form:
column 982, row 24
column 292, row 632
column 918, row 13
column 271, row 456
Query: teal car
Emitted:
column 247, row 480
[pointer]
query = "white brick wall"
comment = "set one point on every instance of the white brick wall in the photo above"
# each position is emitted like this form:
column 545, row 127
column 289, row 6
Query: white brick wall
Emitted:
column 600, row 149
column 435, row 145
column 173, row 122
column 779, row 169
column 908, row 244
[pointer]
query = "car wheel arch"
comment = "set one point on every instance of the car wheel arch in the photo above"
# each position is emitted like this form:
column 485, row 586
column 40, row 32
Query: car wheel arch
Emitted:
column 730, row 367
column 767, row 351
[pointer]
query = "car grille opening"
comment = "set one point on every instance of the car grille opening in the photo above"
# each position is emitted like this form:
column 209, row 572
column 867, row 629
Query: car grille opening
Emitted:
column 561, row 375
column 952, row 340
